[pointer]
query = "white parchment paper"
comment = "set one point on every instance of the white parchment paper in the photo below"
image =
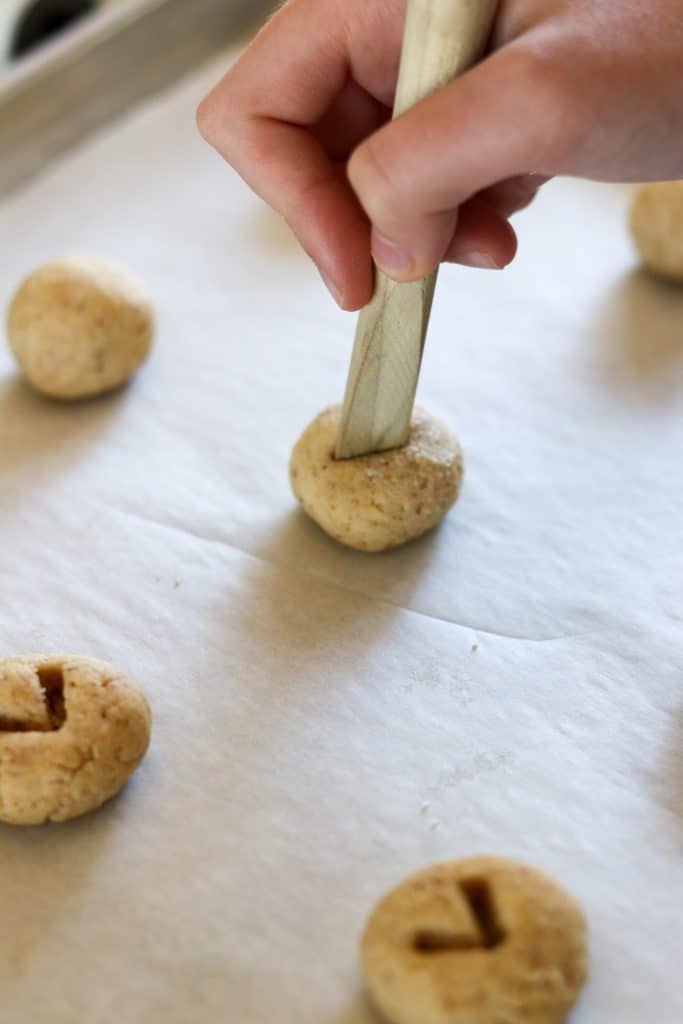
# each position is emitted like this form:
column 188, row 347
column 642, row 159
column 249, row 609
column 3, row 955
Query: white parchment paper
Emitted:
column 325, row 721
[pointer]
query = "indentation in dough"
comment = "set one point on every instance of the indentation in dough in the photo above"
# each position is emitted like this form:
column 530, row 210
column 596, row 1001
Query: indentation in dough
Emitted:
column 52, row 682
column 51, row 679
column 13, row 725
column 479, row 897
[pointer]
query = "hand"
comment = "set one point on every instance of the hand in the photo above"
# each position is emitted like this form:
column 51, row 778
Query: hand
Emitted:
column 591, row 88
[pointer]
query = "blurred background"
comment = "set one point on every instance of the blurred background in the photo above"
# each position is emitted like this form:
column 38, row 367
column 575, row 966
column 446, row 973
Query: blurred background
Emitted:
column 69, row 66
column 28, row 24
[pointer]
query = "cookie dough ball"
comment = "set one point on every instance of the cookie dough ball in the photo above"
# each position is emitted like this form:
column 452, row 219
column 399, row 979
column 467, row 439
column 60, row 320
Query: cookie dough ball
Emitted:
column 79, row 326
column 477, row 941
column 377, row 501
column 72, row 731
column 657, row 227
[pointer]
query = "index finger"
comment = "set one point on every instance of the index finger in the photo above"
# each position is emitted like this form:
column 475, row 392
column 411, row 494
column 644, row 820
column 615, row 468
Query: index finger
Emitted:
column 260, row 115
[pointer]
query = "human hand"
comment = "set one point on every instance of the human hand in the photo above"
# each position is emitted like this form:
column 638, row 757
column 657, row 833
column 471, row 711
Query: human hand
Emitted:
column 589, row 88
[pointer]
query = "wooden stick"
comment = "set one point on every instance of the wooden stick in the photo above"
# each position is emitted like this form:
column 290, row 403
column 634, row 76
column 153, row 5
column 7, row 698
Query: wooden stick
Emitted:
column 442, row 39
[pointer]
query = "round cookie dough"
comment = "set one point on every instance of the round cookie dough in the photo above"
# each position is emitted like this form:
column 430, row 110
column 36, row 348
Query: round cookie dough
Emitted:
column 477, row 941
column 657, row 227
column 72, row 731
column 79, row 326
column 377, row 501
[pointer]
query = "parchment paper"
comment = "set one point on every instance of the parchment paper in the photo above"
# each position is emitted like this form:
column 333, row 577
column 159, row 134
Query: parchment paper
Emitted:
column 326, row 722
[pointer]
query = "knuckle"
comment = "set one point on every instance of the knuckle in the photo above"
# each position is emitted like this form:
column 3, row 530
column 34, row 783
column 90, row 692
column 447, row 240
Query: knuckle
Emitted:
column 218, row 118
column 206, row 118
column 374, row 180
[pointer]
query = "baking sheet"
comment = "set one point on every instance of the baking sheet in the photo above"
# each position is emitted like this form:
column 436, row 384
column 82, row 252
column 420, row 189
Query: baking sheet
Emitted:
column 81, row 79
column 326, row 722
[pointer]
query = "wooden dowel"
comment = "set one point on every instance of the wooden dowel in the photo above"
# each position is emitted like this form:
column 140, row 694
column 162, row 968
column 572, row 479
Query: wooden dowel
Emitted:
column 442, row 39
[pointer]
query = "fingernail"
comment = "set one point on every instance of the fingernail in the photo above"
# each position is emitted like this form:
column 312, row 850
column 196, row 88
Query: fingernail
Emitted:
column 390, row 257
column 481, row 260
column 332, row 288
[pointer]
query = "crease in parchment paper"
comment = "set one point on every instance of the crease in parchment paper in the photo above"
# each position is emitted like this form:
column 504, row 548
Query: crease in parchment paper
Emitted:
column 300, row 571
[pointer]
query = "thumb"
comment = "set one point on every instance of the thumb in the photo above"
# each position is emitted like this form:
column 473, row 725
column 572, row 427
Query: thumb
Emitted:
column 506, row 117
